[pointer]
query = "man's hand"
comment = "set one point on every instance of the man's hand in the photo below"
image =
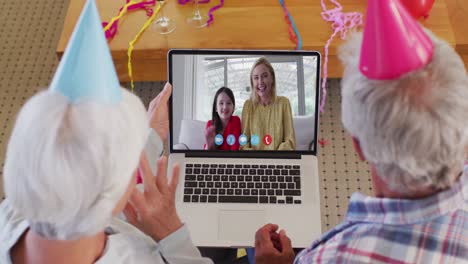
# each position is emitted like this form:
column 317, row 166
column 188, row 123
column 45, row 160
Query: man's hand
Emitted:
column 272, row 247
column 158, row 113
column 154, row 211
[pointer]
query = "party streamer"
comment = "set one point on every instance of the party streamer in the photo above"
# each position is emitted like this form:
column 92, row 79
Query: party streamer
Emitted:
column 212, row 10
column 110, row 28
column 323, row 142
column 183, row 2
column 137, row 37
column 341, row 23
column 293, row 31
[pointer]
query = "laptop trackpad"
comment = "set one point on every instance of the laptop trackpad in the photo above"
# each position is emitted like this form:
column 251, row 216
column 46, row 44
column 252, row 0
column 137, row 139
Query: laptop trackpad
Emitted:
column 240, row 225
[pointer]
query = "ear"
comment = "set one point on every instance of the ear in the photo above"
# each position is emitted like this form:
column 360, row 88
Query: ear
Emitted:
column 357, row 148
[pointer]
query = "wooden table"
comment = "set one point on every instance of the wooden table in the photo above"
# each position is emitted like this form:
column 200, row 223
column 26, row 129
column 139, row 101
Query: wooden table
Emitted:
column 240, row 24
column 458, row 14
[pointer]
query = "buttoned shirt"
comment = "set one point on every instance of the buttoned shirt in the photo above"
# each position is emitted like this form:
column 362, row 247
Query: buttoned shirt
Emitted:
column 383, row 230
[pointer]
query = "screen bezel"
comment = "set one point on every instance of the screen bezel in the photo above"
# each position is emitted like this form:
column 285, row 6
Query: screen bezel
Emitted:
column 244, row 153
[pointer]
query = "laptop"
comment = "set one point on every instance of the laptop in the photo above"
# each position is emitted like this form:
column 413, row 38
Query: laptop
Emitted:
column 225, row 195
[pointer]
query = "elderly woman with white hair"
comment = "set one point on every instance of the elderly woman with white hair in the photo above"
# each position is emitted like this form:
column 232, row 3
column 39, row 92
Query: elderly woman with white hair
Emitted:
column 411, row 126
column 71, row 168
column 68, row 174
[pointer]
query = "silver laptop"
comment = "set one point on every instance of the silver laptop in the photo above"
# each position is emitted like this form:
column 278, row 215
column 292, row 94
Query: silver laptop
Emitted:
column 226, row 194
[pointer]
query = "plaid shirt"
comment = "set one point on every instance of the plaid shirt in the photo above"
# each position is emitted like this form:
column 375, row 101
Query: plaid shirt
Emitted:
column 382, row 230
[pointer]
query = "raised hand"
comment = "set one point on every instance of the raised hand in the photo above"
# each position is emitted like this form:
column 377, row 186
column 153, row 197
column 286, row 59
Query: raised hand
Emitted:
column 154, row 211
column 158, row 112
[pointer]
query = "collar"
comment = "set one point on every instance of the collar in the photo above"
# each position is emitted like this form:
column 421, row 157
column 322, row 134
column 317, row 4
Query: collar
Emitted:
column 364, row 208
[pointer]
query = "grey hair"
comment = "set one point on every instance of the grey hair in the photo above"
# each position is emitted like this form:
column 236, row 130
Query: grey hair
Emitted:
column 68, row 165
column 413, row 129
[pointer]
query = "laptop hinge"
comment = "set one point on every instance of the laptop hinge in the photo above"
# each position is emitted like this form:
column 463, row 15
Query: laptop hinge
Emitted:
column 243, row 154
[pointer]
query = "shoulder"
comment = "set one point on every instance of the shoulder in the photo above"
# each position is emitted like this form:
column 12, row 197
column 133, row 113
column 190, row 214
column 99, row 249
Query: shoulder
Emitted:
column 362, row 242
column 12, row 227
column 234, row 125
column 126, row 244
column 247, row 110
column 235, row 120
column 119, row 226
column 10, row 220
column 282, row 100
column 331, row 244
column 124, row 248
column 247, row 104
column 282, row 104
column 209, row 123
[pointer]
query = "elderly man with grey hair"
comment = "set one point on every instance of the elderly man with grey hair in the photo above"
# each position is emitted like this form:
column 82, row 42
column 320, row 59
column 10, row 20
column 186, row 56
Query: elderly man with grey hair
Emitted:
column 413, row 132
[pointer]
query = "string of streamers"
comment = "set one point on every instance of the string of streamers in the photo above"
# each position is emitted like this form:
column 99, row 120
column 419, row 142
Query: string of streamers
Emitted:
column 183, row 2
column 110, row 29
column 341, row 23
column 323, row 142
column 137, row 37
column 210, row 12
column 294, row 35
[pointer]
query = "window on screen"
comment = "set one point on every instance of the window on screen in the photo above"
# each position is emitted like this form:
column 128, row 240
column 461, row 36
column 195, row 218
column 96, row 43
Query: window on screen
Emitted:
column 197, row 79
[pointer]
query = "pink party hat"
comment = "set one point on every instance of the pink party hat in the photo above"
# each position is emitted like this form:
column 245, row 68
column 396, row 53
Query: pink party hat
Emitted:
column 394, row 43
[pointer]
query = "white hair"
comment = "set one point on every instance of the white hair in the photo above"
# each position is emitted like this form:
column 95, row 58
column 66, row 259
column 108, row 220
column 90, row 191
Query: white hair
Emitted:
column 413, row 129
column 67, row 165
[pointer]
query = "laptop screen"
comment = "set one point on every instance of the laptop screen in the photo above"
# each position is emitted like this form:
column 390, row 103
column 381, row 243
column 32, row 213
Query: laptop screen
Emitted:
column 238, row 101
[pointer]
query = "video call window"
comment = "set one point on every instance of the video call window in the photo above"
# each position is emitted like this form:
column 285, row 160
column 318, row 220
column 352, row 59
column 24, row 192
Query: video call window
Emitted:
column 197, row 78
column 234, row 73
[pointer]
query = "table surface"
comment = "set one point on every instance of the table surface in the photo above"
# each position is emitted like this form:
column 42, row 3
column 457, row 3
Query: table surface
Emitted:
column 242, row 24
column 458, row 14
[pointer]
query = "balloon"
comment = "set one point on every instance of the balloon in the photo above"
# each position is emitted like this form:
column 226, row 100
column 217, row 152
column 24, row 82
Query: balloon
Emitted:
column 418, row 8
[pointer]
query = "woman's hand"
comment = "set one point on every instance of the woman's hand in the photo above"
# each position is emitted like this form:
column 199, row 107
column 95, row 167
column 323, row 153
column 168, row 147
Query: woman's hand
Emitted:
column 154, row 211
column 210, row 133
column 158, row 113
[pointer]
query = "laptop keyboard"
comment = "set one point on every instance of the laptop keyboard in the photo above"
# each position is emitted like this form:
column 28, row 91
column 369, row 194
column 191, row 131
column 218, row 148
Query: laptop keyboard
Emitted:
column 242, row 183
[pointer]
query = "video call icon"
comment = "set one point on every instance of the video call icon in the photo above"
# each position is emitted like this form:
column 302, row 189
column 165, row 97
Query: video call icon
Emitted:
column 267, row 139
column 219, row 139
column 255, row 140
column 231, row 139
column 243, row 140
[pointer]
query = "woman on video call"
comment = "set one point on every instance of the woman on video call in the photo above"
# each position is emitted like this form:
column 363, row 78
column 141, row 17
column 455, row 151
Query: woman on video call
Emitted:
column 265, row 114
column 223, row 122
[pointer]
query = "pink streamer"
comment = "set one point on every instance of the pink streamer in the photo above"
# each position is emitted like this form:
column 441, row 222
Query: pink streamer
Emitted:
column 183, row 2
column 110, row 33
column 341, row 23
column 212, row 10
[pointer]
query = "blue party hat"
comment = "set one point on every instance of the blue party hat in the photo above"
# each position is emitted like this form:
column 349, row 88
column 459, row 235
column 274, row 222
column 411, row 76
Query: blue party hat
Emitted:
column 86, row 71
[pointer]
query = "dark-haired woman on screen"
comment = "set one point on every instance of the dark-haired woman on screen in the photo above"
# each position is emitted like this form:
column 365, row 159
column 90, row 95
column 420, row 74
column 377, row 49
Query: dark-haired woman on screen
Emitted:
column 223, row 122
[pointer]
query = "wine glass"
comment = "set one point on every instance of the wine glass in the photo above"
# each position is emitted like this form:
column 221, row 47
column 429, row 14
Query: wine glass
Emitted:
column 197, row 19
column 164, row 24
